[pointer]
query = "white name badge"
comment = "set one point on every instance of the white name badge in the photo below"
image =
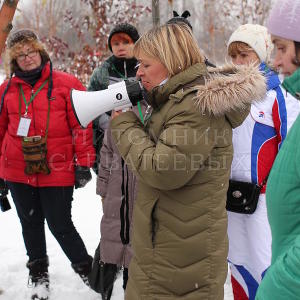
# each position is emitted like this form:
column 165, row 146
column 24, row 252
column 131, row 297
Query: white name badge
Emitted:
column 23, row 127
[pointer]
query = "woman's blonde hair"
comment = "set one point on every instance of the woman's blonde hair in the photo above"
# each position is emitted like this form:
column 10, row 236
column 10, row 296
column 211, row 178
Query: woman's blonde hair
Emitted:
column 174, row 45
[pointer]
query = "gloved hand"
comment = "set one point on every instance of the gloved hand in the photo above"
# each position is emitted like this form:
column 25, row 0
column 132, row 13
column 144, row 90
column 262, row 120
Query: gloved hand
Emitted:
column 4, row 203
column 82, row 176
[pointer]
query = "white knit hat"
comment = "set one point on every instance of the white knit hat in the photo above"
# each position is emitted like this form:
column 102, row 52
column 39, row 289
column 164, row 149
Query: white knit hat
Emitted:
column 257, row 37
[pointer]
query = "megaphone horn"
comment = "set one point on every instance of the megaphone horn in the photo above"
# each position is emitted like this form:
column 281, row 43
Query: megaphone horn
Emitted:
column 89, row 105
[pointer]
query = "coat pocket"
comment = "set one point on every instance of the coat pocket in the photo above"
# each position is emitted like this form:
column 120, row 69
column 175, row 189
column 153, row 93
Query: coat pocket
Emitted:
column 154, row 224
column 144, row 223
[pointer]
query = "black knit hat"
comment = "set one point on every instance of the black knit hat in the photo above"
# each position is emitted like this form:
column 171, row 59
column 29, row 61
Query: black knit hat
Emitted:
column 124, row 28
column 183, row 18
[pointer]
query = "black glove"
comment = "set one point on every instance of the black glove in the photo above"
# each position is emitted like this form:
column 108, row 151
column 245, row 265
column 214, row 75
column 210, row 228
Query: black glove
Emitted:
column 4, row 203
column 82, row 176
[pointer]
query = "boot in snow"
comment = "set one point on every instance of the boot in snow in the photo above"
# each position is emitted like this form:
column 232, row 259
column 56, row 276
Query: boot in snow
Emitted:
column 39, row 278
column 83, row 269
column 107, row 294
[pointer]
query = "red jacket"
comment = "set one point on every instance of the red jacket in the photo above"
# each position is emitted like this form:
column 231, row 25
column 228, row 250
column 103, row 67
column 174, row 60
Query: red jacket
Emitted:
column 68, row 145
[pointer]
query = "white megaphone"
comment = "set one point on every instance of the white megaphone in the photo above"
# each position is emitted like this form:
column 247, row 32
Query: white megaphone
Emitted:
column 89, row 105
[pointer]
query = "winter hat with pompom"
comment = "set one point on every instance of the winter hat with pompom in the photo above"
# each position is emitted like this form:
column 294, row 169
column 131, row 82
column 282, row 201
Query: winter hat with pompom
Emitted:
column 257, row 37
column 284, row 20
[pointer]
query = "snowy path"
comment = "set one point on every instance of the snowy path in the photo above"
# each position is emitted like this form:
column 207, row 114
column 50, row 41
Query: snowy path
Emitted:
column 64, row 283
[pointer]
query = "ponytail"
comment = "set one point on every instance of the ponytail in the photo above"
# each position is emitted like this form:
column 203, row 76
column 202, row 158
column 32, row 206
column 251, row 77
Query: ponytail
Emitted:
column 296, row 60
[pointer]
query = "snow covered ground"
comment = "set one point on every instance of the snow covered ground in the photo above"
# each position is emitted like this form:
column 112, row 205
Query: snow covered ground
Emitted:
column 65, row 284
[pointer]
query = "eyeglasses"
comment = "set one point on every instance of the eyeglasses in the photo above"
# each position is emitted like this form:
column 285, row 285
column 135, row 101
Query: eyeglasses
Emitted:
column 30, row 54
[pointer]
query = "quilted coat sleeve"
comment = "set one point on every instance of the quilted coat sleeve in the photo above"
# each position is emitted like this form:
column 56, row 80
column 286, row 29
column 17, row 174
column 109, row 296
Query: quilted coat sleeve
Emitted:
column 82, row 138
column 3, row 117
column 106, row 157
column 166, row 164
column 282, row 280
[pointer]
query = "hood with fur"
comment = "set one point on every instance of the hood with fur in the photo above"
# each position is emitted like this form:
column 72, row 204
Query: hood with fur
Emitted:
column 229, row 90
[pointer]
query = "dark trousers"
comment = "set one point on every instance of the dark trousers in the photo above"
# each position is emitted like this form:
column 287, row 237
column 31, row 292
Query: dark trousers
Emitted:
column 34, row 205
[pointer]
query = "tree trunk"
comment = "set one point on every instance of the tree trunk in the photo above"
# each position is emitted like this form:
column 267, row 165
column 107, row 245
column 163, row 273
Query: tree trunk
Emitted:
column 6, row 16
column 170, row 9
column 155, row 13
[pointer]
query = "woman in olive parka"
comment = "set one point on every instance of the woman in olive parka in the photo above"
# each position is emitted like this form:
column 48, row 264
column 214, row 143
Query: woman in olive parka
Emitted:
column 182, row 159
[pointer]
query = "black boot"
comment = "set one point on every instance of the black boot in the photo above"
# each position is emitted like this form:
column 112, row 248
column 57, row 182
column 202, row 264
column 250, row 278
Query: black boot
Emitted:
column 107, row 294
column 83, row 269
column 39, row 278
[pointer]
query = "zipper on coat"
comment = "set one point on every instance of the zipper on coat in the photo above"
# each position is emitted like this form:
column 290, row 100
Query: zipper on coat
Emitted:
column 123, row 256
column 124, row 208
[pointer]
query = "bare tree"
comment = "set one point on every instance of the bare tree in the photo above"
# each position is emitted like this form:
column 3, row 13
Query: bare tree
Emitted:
column 76, row 32
column 7, row 11
column 155, row 12
column 221, row 18
column 44, row 16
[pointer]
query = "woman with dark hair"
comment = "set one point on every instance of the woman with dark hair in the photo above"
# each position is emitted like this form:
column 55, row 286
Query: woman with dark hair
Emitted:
column 44, row 153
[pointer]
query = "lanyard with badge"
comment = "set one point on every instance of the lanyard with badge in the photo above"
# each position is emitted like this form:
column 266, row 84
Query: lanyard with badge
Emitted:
column 25, row 121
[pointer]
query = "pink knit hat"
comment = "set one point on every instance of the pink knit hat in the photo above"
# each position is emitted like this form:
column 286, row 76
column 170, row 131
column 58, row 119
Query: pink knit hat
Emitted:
column 284, row 20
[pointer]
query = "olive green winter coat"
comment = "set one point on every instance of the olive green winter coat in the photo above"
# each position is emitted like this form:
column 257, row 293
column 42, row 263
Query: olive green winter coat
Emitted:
column 182, row 160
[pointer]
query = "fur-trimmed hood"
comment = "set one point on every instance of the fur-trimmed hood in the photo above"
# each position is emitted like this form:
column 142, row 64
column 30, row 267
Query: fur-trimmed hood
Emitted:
column 229, row 90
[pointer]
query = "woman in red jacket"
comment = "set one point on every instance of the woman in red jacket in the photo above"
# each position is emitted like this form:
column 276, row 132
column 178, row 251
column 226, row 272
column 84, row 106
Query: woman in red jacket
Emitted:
column 44, row 152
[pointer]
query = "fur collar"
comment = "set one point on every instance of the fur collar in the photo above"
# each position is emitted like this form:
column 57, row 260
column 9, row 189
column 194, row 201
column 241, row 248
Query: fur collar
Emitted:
column 230, row 88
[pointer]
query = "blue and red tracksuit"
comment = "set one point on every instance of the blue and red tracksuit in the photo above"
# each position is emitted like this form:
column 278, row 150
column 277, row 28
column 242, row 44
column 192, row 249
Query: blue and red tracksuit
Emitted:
column 256, row 143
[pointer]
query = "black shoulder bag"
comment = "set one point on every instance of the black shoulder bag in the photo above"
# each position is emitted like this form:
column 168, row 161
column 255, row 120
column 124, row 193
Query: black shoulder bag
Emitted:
column 102, row 275
column 242, row 197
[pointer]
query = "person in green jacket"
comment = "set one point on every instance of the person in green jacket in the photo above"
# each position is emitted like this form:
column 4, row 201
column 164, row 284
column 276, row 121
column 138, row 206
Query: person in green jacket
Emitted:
column 181, row 157
column 282, row 279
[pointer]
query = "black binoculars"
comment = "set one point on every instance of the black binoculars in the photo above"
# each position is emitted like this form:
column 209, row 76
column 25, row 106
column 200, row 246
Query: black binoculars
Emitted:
column 4, row 203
